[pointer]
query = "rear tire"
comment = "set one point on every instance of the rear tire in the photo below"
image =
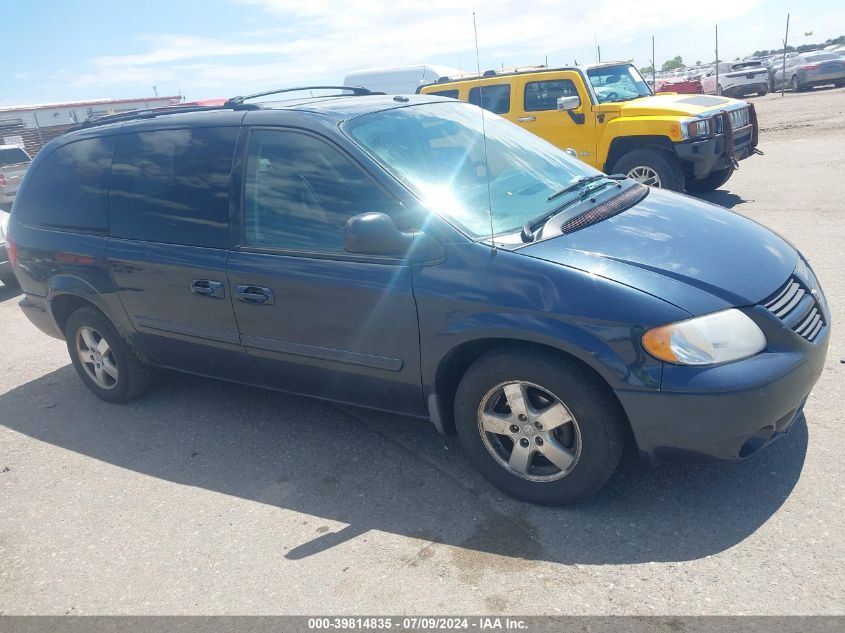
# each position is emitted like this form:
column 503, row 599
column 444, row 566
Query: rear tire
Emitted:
column 710, row 182
column 111, row 370
column 795, row 84
column 545, row 406
column 9, row 280
column 653, row 167
column 839, row 84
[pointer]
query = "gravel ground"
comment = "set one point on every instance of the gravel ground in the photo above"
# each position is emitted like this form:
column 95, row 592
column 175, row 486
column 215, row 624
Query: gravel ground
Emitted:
column 206, row 497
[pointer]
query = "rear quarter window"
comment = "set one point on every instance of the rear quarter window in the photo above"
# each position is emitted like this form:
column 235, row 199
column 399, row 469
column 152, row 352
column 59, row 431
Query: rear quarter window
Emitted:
column 68, row 187
column 172, row 186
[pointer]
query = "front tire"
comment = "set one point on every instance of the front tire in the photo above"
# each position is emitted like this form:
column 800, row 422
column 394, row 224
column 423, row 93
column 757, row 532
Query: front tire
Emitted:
column 540, row 428
column 103, row 360
column 710, row 182
column 795, row 84
column 653, row 167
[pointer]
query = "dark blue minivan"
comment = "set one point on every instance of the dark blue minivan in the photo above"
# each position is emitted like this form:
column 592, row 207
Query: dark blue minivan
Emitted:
column 420, row 256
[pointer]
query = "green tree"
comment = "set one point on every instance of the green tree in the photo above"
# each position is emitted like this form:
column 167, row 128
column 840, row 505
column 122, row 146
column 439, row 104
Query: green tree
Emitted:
column 672, row 64
column 646, row 70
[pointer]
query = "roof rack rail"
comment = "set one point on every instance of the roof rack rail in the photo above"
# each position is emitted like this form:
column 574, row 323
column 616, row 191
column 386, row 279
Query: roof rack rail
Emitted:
column 149, row 113
column 236, row 101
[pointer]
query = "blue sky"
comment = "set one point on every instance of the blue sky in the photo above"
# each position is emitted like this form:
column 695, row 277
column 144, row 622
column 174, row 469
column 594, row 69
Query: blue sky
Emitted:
column 215, row 48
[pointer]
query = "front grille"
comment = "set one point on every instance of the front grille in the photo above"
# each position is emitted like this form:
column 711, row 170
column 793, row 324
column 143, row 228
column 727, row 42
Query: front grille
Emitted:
column 798, row 309
column 739, row 118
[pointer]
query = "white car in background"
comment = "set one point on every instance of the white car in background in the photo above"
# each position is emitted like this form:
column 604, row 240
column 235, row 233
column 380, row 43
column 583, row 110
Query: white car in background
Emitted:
column 14, row 162
column 737, row 79
column 6, row 275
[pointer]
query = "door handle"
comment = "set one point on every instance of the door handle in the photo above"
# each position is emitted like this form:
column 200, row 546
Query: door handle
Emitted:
column 208, row 288
column 255, row 295
column 524, row 119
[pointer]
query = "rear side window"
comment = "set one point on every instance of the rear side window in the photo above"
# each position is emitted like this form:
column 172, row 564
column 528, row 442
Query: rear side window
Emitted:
column 172, row 186
column 494, row 98
column 543, row 95
column 452, row 94
column 68, row 187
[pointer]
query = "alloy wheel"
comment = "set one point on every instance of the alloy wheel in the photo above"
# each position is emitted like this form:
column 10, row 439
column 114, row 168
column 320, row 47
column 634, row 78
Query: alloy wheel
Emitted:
column 529, row 431
column 645, row 175
column 96, row 357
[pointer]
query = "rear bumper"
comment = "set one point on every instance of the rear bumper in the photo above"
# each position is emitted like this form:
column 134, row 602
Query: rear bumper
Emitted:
column 35, row 309
column 747, row 89
column 726, row 412
column 824, row 79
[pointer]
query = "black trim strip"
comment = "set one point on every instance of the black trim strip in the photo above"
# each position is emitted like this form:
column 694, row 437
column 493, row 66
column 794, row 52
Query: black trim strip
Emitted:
column 188, row 330
column 323, row 353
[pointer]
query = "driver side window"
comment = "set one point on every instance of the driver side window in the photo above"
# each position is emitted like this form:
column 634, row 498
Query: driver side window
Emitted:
column 300, row 191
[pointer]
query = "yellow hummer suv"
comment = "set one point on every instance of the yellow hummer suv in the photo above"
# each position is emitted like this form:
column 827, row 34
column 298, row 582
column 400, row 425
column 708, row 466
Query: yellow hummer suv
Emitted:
column 610, row 118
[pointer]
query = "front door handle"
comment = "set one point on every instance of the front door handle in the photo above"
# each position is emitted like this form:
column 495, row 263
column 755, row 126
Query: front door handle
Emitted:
column 525, row 119
column 255, row 295
column 208, row 288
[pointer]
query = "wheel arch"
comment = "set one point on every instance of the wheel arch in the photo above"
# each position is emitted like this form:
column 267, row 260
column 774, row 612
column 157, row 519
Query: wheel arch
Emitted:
column 66, row 294
column 621, row 145
column 455, row 363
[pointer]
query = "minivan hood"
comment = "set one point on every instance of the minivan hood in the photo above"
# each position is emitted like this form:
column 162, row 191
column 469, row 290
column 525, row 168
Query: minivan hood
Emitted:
column 676, row 105
column 693, row 254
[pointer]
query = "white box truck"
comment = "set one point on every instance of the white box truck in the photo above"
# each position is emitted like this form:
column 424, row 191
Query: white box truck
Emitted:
column 398, row 81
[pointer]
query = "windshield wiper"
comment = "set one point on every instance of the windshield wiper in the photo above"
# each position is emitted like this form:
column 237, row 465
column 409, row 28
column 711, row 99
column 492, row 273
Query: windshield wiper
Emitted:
column 584, row 180
column 533, row 224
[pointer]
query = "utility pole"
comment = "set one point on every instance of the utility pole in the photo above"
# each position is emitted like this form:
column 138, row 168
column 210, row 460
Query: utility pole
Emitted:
column 718, row 90
column 783, row 70
column 155, row 91
column 653, row 67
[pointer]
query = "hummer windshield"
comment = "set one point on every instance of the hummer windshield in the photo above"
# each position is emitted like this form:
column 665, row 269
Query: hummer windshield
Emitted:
column 438, row 150
column 618, row 83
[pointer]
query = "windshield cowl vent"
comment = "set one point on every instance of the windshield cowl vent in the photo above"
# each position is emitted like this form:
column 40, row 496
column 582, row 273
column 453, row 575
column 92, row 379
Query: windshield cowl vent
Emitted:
column 606, row 209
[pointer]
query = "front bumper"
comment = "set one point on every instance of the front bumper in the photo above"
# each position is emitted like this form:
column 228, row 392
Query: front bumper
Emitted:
column 709, row 155
column 726, row 412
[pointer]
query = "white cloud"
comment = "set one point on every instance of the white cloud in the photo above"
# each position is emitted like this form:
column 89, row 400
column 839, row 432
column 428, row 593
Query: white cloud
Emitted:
column 321, row 40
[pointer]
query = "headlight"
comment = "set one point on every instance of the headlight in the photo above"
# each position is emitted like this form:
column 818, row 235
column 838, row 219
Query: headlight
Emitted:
column 720, row 337
column 697, row 128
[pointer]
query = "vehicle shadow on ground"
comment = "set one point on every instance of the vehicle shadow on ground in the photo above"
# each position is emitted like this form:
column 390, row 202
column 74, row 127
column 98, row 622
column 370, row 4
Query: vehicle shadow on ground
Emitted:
column 373, row 471
column 721, row 197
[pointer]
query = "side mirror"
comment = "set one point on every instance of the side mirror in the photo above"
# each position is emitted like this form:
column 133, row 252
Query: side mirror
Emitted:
column 376, row 234
column 568, row 103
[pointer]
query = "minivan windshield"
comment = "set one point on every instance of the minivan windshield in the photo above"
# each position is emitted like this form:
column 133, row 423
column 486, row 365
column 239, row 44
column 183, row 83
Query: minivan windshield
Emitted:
column 438, row 150
column 617, row 83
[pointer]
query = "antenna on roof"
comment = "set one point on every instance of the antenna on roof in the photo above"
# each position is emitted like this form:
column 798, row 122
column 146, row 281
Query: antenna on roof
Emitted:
column 484, row 136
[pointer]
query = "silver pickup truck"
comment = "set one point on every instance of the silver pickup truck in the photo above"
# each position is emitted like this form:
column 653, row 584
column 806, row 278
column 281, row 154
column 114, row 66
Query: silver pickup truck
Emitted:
column 14, row 162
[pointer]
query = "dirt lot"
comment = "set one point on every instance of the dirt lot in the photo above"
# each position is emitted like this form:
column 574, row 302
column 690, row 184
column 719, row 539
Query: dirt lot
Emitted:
column 207, row 497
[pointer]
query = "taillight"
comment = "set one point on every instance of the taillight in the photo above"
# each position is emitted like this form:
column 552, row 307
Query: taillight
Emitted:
column 810, row 67
column 12, row 251
column 3, row 181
